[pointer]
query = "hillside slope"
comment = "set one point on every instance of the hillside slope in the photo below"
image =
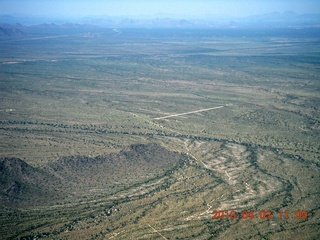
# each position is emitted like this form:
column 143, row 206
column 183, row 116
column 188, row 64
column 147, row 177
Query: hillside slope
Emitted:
column 23, row 184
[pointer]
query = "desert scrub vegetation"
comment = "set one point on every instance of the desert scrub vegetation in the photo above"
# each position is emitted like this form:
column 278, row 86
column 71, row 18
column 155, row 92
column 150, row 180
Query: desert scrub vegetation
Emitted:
column 75, row 104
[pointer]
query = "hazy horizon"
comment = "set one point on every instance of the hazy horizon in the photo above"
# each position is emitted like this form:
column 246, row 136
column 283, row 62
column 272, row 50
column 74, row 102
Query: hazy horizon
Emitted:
column 156, row 9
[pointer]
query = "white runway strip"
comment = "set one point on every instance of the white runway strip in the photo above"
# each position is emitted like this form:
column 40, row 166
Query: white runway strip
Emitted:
column 186, row 113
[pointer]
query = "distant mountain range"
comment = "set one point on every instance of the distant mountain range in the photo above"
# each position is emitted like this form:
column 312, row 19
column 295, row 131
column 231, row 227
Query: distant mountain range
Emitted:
column 12, row 30
column 275, row 19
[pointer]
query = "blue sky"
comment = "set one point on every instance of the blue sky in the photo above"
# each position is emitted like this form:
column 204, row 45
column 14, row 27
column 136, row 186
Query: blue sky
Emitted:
column 157, row 8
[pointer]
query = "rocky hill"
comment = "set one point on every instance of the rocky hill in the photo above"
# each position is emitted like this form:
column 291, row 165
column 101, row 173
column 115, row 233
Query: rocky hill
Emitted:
column 21, row 183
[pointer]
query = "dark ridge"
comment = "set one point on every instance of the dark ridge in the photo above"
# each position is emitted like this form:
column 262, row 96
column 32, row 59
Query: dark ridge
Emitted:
column 134, row 163
column 20, row 182
column 23, row 184
column 10, row 32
